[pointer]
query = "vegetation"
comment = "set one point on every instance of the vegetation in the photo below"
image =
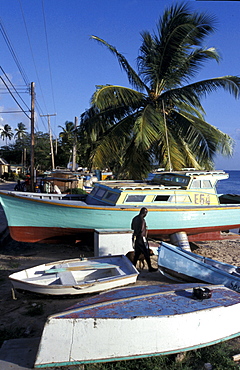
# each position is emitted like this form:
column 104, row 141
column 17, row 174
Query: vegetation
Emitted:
column 130, row 129
column 20, row 151
column 219, row 356
column 6, row 133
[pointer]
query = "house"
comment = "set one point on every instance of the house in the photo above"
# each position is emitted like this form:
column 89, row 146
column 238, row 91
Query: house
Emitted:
column 17, row 168
column 4, row 167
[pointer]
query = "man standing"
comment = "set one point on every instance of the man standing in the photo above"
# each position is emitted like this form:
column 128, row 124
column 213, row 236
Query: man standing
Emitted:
column 139, row 228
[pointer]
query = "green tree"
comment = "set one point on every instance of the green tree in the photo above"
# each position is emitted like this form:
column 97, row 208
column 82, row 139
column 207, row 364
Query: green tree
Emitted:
column 67, row 140
column 135, row 127
column 67, row 133
column 6, row 133
column 21, row 131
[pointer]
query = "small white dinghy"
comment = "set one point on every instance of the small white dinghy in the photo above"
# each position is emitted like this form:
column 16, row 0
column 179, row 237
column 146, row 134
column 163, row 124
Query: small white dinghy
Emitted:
column 139, row 321
column 76, row 276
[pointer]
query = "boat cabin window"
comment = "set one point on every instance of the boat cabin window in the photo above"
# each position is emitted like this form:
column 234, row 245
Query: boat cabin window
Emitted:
column 111, row 197
column 100, row 193
column 94, row 190
column 171, row 180
column 201, row 184
column 135, row 198
column 206, row 184
column 196, row 184
column 161, row 198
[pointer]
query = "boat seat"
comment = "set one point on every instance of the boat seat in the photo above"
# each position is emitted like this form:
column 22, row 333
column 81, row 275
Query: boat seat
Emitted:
column 67, row 278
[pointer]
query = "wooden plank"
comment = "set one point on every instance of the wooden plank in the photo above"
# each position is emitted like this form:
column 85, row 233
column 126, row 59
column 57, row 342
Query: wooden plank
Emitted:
column 83, row 267
column 67, row 278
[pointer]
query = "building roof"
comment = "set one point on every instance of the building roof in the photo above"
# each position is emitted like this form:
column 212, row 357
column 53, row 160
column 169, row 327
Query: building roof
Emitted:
column 3, row 162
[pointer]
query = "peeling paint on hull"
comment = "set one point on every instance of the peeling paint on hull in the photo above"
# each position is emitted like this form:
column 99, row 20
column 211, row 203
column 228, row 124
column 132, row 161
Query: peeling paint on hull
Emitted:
column 106, row 327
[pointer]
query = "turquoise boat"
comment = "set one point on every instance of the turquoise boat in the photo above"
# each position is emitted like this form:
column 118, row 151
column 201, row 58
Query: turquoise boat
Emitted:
column 185, row 201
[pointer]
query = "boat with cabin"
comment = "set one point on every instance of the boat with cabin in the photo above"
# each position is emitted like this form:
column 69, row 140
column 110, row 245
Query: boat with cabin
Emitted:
column 184, row 201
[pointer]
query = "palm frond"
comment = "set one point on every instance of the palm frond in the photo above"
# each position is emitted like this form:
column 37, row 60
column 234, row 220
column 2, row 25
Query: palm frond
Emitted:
column 148, row 127
column 133, row 77
column 163, row 56
column 137, row 162
column 230, row 84
column 112, row 96
column 205, row 139
column 112, row 143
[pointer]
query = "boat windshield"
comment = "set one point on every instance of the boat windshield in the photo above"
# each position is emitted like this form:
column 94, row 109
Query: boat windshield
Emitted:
column 171, row 179
column 102, row 195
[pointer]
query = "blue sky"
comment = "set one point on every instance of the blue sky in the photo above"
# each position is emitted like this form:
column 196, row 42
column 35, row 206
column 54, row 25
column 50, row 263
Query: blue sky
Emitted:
column 51, row 39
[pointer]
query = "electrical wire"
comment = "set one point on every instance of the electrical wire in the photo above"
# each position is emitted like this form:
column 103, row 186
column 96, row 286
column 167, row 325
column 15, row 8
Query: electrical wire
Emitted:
column 9, row 86
column 31, row 50
column 14, row 98
column 49, row 64
column 14, row 89
column 29, row 41
column 10, row 47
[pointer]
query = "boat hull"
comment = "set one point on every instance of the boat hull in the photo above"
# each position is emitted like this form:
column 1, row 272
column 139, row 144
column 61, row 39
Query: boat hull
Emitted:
column 76, row 276
column 107, row 327
column 179, row 264
column 37, row 220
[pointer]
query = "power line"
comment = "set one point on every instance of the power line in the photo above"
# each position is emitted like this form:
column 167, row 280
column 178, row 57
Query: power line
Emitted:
column 49, row 64
column 10, row 47
column 14, row 98
column 31, row 50
column 14, row 89
column 9, row 86
column 29, row 41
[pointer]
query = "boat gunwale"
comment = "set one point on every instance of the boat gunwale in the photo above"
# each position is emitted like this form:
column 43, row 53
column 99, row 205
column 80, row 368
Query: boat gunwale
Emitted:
column 120, row 207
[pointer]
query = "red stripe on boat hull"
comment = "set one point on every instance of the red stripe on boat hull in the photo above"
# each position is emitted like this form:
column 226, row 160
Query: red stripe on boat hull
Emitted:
column 54, row 234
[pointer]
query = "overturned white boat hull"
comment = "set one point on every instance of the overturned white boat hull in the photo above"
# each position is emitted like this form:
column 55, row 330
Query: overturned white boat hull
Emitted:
column 109, row 327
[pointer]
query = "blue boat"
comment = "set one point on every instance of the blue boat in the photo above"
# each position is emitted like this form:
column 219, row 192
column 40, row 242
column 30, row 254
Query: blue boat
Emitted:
column 137, row 322
column 185, row 201
column 181, row 265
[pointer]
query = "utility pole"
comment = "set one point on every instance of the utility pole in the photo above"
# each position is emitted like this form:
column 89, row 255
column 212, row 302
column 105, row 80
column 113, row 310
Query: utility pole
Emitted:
column 74, row 145
column 50, row 136
column 32, row 174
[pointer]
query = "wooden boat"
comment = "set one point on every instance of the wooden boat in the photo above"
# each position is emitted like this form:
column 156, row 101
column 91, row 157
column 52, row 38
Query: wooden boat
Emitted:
column 168, row 318
column 185, row 201
column 179, row 264
column 76, row 276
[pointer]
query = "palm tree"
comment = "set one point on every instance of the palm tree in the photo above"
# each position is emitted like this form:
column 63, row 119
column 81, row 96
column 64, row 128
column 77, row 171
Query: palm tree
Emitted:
column 6, row 132
column 67, row 139
column 135, row 127
column 21, row 135
column 67, row 133
column 21, row 131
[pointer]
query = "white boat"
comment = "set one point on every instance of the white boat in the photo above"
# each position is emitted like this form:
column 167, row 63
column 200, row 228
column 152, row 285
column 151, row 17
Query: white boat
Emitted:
column 76, row 276
column 179, row 264
column 136, row 322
